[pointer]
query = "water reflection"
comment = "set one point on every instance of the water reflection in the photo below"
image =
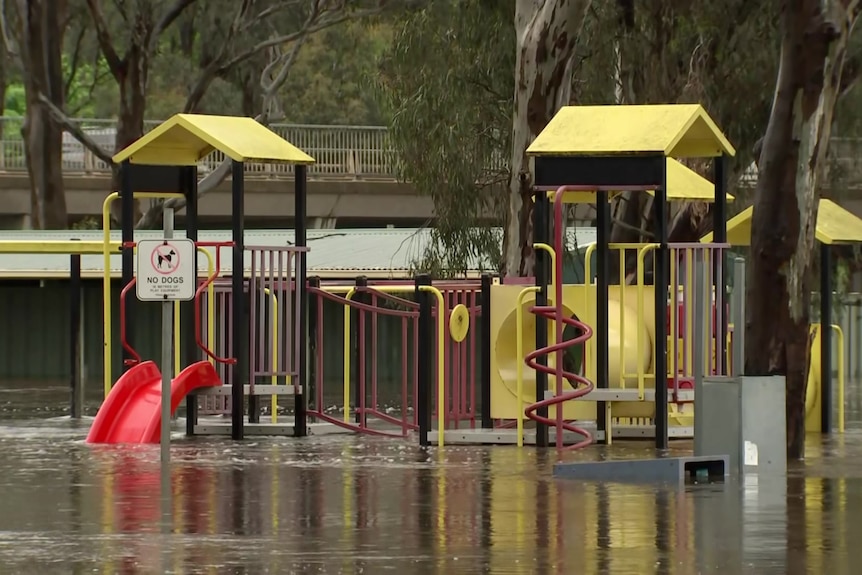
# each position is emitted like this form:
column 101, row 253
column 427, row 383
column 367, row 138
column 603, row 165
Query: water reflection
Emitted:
column 352, row 505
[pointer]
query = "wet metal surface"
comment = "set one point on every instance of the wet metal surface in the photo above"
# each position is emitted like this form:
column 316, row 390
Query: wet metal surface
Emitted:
column 335, row 504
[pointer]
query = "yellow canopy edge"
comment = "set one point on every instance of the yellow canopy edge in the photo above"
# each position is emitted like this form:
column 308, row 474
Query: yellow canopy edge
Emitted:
column 676, row 130
column 683, row 183
column 184, row 139
column 835, row 225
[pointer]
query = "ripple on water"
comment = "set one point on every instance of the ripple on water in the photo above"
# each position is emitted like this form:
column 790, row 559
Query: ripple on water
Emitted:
column 336, row 504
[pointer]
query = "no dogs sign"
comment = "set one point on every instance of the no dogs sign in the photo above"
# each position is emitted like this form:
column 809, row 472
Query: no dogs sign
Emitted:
column 166, row 270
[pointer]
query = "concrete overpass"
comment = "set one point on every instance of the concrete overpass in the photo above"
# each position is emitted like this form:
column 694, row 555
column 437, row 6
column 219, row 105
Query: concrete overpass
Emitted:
column 353, row 183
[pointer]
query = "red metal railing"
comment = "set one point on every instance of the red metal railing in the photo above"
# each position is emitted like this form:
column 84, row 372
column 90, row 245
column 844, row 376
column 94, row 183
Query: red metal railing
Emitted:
column 136, row 358
column 202, row 288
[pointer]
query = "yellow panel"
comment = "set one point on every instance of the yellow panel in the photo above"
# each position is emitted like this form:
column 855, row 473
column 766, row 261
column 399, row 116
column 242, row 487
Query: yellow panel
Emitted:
column 678, row 130
column 835, row 225
column 579, row 300
column 684, row 183
column 186, row 138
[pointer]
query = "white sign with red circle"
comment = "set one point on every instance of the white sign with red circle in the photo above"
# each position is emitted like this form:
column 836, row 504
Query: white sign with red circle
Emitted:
column 166, row 270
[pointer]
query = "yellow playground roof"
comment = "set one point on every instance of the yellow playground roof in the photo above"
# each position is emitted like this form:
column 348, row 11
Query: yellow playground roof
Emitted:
column 683, row 183
column 835, row 225
column 184, row 139
column 676, row 130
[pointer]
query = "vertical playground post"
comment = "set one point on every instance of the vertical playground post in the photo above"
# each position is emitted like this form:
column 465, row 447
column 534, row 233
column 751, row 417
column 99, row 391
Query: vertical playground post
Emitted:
column 541, row 235
column 603, row 232
column 76, row 385
column 661, row 310
column 190, row 351
column 239, row 319
column 698, row 345
column 300, row 190
column 127, row 211
column 167, row 352
column 485, row 354
column 738, row 319
column 825, row 338
column 357, row 362
column 719, row 236
column 425, row 344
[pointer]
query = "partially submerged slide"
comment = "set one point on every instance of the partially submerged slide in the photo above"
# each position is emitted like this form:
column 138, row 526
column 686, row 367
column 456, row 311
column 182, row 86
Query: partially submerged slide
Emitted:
column 132, row 411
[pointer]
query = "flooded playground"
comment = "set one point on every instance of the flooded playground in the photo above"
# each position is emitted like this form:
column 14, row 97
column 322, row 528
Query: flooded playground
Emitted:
column 347, row 504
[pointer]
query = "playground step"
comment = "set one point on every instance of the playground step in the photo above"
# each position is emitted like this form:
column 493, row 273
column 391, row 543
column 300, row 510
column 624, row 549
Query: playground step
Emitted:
column 621, row 431
column 258, row 390
column 659, row 470
column 617, row 394
column 508, row 436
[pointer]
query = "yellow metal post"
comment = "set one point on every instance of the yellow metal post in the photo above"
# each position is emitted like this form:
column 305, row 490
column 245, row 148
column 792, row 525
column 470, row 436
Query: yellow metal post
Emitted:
column 519, row 352
column 840, row 341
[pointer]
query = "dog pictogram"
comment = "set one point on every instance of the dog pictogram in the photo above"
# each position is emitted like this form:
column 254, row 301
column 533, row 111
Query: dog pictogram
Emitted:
column 165, row 259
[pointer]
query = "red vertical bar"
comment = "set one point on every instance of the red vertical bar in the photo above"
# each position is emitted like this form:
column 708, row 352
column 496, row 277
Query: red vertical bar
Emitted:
column 416, row 370
column 472, row 373
column 374, row 314
column 405, row 359
column 320, row 349
column 674, row 282
column 362, row 367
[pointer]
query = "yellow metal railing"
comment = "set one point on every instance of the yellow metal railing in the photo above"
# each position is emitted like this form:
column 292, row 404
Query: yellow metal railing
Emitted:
column 106, row 278
column 519, row 354
column 840, row 342
column 441, row 343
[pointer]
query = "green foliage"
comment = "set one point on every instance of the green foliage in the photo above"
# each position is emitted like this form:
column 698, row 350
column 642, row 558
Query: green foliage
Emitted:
column 447, row 83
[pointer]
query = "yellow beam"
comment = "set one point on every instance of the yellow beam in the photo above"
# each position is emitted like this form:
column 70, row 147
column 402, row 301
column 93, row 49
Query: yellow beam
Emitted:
column 56, row 247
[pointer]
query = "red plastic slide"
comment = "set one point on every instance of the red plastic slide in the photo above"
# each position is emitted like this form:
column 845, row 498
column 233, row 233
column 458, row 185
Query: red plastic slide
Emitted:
column 132, row 411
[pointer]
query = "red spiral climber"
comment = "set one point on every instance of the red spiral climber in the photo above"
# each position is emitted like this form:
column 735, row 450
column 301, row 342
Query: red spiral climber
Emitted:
column 557, row 314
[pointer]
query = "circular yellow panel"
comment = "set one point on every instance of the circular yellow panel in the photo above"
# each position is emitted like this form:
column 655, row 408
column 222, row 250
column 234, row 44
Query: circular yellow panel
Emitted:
column 459, row 322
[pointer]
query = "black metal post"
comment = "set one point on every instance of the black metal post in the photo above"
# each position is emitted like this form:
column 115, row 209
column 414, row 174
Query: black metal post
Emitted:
column 426, row 350
column 603, row 229
column 541, row 235
column 719, row 235
column 485, row 354
column 300, row 190
column 314, row 303
column 127, row 225
column 825, row 339
column 661, row 294
column 75, row 384
column 239, row 321
column 189, row 350
column 357, row 362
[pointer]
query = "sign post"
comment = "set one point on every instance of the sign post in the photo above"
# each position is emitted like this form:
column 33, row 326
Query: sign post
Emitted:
column 166, row 273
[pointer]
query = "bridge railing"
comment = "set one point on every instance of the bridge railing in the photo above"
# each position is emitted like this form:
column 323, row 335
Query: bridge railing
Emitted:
column 340, row 151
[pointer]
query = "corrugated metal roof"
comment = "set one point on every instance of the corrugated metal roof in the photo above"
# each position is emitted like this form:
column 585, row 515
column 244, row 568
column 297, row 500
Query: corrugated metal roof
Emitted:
column 332, row 253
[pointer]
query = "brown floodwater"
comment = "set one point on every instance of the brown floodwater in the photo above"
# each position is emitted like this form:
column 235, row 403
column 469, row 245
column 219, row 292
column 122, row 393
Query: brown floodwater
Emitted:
column 339, row 504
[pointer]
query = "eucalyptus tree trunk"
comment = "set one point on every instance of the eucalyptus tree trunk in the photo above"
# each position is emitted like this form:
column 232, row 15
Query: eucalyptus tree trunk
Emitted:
column 40, row 33
column 814, row 38
column 547, row 31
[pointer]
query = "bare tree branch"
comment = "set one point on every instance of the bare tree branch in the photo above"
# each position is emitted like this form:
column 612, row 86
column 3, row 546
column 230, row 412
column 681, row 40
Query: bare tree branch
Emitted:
column 166, row 20
column 106, row 42
column 75, row 130
column 76, row 54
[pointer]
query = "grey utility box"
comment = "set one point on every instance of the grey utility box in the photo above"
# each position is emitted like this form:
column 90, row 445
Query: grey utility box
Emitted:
column 743, row 418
